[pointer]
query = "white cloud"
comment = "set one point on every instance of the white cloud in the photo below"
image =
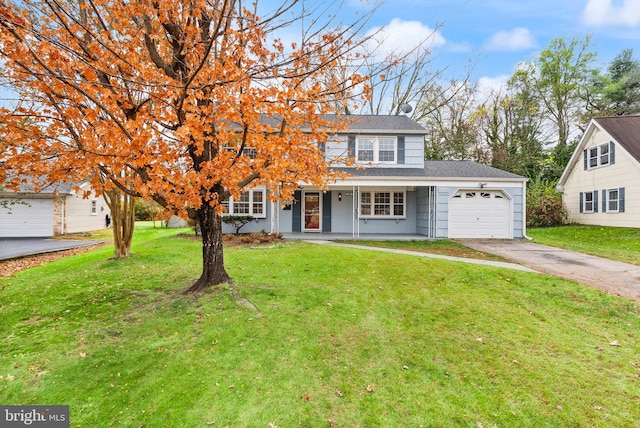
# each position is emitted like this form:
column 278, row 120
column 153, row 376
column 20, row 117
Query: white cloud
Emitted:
column 601, row 13
column 401, row 37
column 517, row 39
column 488, row 86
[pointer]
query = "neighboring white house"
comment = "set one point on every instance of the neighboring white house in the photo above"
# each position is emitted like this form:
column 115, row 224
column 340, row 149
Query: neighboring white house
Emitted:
column 395, row 192
column 55, row 210
column 601, row 183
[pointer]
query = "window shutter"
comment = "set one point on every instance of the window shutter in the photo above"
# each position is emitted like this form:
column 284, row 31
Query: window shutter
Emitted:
column 612, row 153
column 323, row 147
column 351, row 146
column 621, row 200
column 297, row 211
column 581, row 202
column 604, row 201
column 401, row 150
column 586, row 159
column 326, row 212
column 595, row 201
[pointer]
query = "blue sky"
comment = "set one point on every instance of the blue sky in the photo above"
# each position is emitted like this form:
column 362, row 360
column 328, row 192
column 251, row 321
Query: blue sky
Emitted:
column 493, row 36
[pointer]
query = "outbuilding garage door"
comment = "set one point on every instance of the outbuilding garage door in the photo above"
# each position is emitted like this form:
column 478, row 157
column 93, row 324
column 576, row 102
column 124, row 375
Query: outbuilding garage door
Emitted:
column 31, row 218
column 479, row 214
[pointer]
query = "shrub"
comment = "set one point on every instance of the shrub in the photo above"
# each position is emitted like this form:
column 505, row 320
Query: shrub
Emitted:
column 544, row 204
column 237, row 221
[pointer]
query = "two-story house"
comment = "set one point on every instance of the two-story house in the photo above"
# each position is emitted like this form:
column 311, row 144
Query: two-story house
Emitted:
column 395, row 192
column 598, row 183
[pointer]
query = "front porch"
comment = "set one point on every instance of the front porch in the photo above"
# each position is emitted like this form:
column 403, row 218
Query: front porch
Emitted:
column 351, row 237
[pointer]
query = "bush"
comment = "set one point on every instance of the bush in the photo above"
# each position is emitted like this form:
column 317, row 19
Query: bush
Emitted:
column 237, row 221
column 544, row 205
column 147, row 210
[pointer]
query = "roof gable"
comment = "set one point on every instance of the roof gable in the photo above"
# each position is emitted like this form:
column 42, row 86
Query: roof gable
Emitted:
column 625, row 130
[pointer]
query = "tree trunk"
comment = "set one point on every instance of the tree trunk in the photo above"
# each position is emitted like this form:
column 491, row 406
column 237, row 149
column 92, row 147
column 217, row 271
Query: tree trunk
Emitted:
column 213, row 272
column 122, row 208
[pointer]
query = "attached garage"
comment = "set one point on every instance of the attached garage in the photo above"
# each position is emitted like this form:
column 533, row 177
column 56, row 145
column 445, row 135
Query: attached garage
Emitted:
column 480, row 214
column 28, row 218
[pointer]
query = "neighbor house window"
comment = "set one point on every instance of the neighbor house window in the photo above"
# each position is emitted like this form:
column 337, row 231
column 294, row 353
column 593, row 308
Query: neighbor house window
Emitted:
column 250, row 203
column 382, row 204
column 598, row 156
column 94, row 207
column 376, row 150
column 613, row 200
column 588, row 202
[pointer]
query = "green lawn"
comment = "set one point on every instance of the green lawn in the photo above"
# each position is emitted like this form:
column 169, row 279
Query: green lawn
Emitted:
column 617, row 243
column 341, row 337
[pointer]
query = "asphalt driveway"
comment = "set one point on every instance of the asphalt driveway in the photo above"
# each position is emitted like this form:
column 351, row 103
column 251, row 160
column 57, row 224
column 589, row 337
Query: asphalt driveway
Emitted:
column 11, row 248
column 609, row 275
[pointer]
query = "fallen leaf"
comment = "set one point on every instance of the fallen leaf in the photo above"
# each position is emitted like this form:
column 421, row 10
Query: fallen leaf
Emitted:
column 331, row 424
column 306, row 398
column 479, row 425
column 614, row 343
column 479, row 339
column 339, row 393
column 370, row 388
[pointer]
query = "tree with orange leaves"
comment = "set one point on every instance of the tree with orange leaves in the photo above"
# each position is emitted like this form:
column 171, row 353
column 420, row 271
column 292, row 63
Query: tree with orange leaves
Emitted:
column 176, row 93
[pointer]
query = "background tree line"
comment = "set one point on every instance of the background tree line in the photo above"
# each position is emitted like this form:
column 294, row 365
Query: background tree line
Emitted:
column 531, row 125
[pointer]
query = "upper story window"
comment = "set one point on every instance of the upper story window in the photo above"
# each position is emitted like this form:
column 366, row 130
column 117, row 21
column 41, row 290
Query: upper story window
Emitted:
column 94, row 207
column 250, row 203
column 598, row 156
column 376, row 149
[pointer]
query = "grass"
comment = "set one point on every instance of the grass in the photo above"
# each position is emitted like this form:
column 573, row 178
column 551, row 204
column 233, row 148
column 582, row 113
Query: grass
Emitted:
column 617, row 243
column 340, row 336
column 445, row 247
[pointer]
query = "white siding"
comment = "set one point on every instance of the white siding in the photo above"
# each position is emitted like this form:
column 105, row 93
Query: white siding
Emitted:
column 27, row 218
column 625, row 172
column 78, row 216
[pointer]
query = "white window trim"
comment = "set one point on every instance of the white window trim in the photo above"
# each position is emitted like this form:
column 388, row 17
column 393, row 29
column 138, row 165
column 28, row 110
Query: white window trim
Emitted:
column 608, row 192
column 598, row 156
column 376, row 149
column 392, row 204
column 584, row 202
column 231, row 204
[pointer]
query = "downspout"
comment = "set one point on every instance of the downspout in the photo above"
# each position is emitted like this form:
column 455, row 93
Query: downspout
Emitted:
column 64, row 220
column 524, row 211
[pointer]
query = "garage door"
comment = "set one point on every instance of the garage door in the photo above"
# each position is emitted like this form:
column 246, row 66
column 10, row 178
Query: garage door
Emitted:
column 32, row 220
column 479, row 214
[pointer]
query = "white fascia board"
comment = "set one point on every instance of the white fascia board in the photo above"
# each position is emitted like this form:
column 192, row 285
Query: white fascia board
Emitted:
column 422, row 182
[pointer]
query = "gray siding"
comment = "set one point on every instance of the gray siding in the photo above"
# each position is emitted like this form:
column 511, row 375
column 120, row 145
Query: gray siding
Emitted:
column 442, row 211
column 413, row 151
column 518, row 211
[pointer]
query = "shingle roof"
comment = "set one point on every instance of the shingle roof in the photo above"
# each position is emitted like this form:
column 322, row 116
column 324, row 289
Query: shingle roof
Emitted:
column 437, row 170
column 363, row 123
column 367, row 124
column 51, row 188
column 625, row 130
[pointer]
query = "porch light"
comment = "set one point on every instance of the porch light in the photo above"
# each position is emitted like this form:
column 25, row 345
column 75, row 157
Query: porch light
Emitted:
column 340, row 196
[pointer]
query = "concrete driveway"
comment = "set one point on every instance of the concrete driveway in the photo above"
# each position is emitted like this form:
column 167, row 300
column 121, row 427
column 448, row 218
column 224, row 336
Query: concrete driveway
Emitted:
column 10, row 248
column 609, row 275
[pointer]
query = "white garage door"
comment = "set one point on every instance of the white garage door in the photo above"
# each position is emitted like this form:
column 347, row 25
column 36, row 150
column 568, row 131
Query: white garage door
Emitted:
column 479, row 214
column 32, row 220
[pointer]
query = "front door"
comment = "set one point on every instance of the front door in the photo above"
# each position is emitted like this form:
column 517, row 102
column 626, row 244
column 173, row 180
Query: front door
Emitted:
column 312, row 209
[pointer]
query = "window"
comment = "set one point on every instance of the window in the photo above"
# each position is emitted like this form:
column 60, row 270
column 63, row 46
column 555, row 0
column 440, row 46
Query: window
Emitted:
column 612, row 200
column 382, row 204
column 588, row 202
column 376, row 150
column 598, row 156
column 250, row 203
column 94, row 207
